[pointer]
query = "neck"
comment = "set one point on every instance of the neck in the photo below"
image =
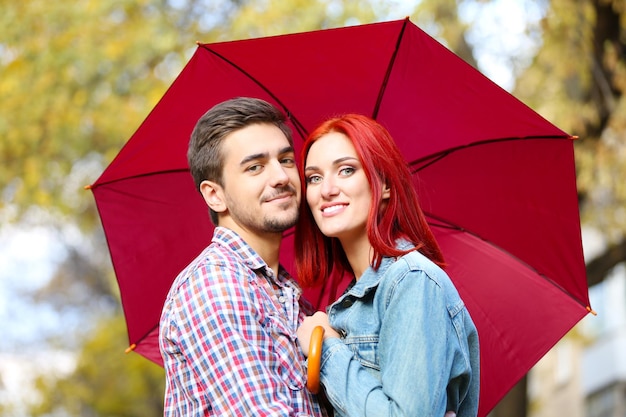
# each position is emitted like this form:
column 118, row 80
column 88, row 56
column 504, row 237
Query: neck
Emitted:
column 268, row 248
column 359, row 254
column 265, row 244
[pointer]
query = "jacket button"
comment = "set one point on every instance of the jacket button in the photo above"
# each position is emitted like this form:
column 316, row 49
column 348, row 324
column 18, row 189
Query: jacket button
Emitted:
column 347, row 302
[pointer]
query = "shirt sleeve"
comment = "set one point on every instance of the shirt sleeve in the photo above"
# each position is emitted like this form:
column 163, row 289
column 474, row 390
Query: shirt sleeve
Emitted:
column 227, row 362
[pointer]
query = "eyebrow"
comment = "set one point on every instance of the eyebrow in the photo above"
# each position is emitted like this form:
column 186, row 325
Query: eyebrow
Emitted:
column 264, row 155
column 338, row 161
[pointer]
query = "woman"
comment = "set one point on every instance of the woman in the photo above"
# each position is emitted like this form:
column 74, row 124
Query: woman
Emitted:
column 400, row 340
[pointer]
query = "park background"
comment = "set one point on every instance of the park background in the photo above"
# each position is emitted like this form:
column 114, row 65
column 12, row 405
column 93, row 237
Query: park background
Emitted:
column 78, row 77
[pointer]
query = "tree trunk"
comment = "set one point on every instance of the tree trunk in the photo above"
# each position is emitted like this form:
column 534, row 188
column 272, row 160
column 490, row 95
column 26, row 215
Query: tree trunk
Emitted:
column 600, row 266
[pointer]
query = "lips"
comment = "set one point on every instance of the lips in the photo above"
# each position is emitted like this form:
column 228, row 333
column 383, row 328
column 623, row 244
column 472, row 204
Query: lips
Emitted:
column 280, row 197
column 333, row 208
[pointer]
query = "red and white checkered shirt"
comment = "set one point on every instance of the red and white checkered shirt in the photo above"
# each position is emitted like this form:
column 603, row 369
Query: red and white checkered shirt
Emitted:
column 228, row 340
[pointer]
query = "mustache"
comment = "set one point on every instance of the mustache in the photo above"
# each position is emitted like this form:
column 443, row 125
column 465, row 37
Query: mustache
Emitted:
column 287, row 189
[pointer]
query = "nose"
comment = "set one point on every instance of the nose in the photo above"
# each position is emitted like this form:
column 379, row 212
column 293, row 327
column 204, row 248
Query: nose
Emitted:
column 329, row 188
column 279, row 176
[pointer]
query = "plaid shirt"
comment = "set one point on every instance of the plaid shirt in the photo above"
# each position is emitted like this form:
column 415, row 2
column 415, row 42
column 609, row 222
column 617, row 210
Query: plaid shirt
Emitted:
column 228, row 339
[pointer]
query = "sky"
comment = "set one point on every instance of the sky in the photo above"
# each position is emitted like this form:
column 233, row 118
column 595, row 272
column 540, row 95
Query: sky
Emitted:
column 500, row 36
column 27, row 260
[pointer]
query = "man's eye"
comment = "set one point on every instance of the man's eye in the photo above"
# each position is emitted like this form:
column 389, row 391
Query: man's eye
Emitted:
column 254, row 168
column 288, row 161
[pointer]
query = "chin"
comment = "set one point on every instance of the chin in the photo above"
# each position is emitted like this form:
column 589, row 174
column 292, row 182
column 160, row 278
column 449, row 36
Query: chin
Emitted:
column 330, row 232
column 281, row 224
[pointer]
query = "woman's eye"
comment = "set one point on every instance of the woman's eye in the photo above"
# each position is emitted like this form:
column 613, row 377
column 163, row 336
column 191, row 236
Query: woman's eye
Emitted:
column 313, row 179
column 346, row 171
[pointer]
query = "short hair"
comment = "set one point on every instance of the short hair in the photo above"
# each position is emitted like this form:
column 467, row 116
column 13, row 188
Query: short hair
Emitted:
column 204, row 155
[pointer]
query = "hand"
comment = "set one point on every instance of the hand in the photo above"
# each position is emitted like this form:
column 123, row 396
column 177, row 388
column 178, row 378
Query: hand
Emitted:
column 450, row 414
column 307, row 326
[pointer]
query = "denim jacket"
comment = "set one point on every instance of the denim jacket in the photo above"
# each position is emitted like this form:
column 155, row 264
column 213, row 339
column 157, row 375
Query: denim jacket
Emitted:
column 408, row 345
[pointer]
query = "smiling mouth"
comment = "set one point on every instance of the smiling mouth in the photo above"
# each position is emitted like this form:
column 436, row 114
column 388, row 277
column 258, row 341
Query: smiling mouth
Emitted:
column 333, row 209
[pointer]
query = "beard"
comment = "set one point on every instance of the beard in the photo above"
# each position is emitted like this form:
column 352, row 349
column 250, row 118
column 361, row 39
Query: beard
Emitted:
column 275, row 225
column 278, row 221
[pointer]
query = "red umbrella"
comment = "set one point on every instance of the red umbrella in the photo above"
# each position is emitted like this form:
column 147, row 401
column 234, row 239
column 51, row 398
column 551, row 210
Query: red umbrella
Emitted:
column 496, row 180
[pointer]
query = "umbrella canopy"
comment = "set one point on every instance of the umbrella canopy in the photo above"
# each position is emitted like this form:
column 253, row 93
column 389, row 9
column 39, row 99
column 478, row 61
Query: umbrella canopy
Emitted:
column 496, row 180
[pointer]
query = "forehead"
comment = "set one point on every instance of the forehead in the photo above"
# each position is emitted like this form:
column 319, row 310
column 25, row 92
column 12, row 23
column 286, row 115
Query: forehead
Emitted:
column 330, row 147
column 255, row 139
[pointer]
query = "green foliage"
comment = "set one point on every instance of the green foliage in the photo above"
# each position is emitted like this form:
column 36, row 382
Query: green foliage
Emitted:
column 77, row 79
column 280, row 17
column 106, row 382
column 441, row 20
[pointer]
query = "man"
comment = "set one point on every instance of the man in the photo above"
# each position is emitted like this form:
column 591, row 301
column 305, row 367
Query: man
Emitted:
column 228, row 327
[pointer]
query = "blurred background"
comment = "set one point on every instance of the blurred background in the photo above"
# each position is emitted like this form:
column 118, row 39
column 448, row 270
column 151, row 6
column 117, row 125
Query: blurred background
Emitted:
column 78, row 77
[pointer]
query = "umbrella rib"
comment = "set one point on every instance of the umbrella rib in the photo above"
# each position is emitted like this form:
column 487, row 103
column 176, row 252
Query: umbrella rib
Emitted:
column 299, row 127
column 146, row 174
column 432, row 158
column 383, row 87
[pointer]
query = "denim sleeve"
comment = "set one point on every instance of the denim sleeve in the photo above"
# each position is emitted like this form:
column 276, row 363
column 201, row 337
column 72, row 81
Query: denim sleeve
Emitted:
column 416, row 348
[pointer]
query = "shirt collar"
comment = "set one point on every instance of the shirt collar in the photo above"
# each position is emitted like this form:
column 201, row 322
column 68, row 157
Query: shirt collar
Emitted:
column 248, row 256
column 371, row 278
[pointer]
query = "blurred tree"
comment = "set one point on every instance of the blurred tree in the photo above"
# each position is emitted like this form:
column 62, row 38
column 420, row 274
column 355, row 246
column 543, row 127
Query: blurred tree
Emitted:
column 105, row 381
column 440, row 18
column 273, row 17
column 76, row 81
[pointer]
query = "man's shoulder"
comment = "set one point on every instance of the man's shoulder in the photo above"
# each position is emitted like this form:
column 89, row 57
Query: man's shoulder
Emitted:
column 214, row 260
column 214, row 256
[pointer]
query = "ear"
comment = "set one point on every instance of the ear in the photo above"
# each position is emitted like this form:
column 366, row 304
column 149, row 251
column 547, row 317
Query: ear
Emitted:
column 213, row 194
column 386, row 192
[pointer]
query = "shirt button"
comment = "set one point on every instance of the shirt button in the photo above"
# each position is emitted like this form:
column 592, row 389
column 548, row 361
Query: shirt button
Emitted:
column 282, row 299
column 347, row 302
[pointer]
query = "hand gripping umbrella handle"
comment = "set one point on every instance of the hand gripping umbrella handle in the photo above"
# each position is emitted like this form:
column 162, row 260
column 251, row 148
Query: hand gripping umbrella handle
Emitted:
column 315, row 359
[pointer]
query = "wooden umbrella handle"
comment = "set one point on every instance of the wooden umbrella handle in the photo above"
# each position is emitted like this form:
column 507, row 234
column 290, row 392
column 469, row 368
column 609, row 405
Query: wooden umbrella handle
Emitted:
column 315, row 359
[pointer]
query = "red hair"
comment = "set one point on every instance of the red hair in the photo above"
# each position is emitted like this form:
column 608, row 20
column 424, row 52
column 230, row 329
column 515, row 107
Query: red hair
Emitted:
column 401, row 217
